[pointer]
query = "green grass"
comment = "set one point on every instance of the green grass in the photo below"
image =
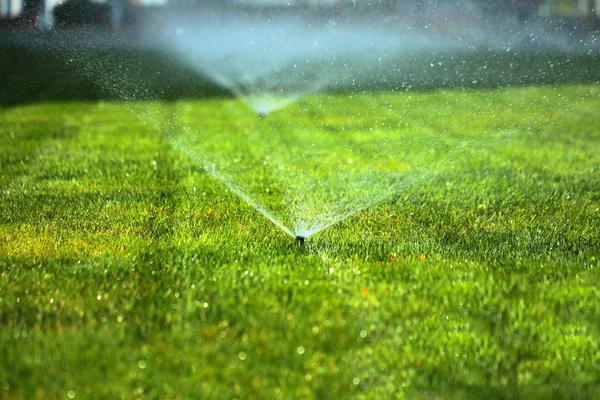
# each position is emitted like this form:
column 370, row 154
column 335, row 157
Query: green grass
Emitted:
column 128, row 272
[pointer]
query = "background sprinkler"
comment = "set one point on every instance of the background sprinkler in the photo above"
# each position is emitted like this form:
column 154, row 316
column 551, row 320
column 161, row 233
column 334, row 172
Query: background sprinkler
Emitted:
column 300, row 239
column 261, row 115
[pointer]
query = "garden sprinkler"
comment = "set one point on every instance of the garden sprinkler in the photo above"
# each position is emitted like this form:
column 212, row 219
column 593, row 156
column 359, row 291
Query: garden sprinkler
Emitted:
column 300, row 239
column 261, row 115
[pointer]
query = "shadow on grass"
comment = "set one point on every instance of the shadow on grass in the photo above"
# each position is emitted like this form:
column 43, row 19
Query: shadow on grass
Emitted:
column 32, row 75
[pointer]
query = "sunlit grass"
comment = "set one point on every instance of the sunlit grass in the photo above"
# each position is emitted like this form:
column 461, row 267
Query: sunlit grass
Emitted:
column 126, row 271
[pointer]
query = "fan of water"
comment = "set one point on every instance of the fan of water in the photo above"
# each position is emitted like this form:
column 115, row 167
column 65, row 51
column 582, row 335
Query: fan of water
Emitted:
column 313, row 164
column 271, row 64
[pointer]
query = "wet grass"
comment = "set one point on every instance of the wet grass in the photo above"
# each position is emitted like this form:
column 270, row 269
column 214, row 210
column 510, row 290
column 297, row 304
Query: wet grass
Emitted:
column 128, row 272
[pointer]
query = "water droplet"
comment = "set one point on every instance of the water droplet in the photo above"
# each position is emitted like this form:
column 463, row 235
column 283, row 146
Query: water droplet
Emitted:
column 242, row 355
column 71, row 394
column 142, row 364
column 356, row 380
column 363, row 333
column 300, row 350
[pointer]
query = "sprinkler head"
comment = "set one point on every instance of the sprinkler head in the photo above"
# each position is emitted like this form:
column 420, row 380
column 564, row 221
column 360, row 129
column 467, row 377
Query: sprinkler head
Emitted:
column 261, row 115
column 300, row 239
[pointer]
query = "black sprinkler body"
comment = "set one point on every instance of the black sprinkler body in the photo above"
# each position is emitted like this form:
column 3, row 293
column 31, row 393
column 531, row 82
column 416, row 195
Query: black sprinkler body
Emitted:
column 300, row 239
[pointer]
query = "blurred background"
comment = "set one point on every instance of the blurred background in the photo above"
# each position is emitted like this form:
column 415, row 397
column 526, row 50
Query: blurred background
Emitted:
column 186, row 44
column 31, row 15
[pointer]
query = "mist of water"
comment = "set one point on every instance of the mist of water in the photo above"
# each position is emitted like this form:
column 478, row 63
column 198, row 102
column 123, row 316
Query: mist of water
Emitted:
column 271, row 62
column 306, row 176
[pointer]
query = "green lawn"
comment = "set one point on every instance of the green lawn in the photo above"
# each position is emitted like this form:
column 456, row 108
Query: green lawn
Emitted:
column 126, row 271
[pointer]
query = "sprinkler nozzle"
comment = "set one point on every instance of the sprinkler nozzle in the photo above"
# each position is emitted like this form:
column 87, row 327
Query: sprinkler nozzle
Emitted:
column 261, row 115
column 300, row 239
